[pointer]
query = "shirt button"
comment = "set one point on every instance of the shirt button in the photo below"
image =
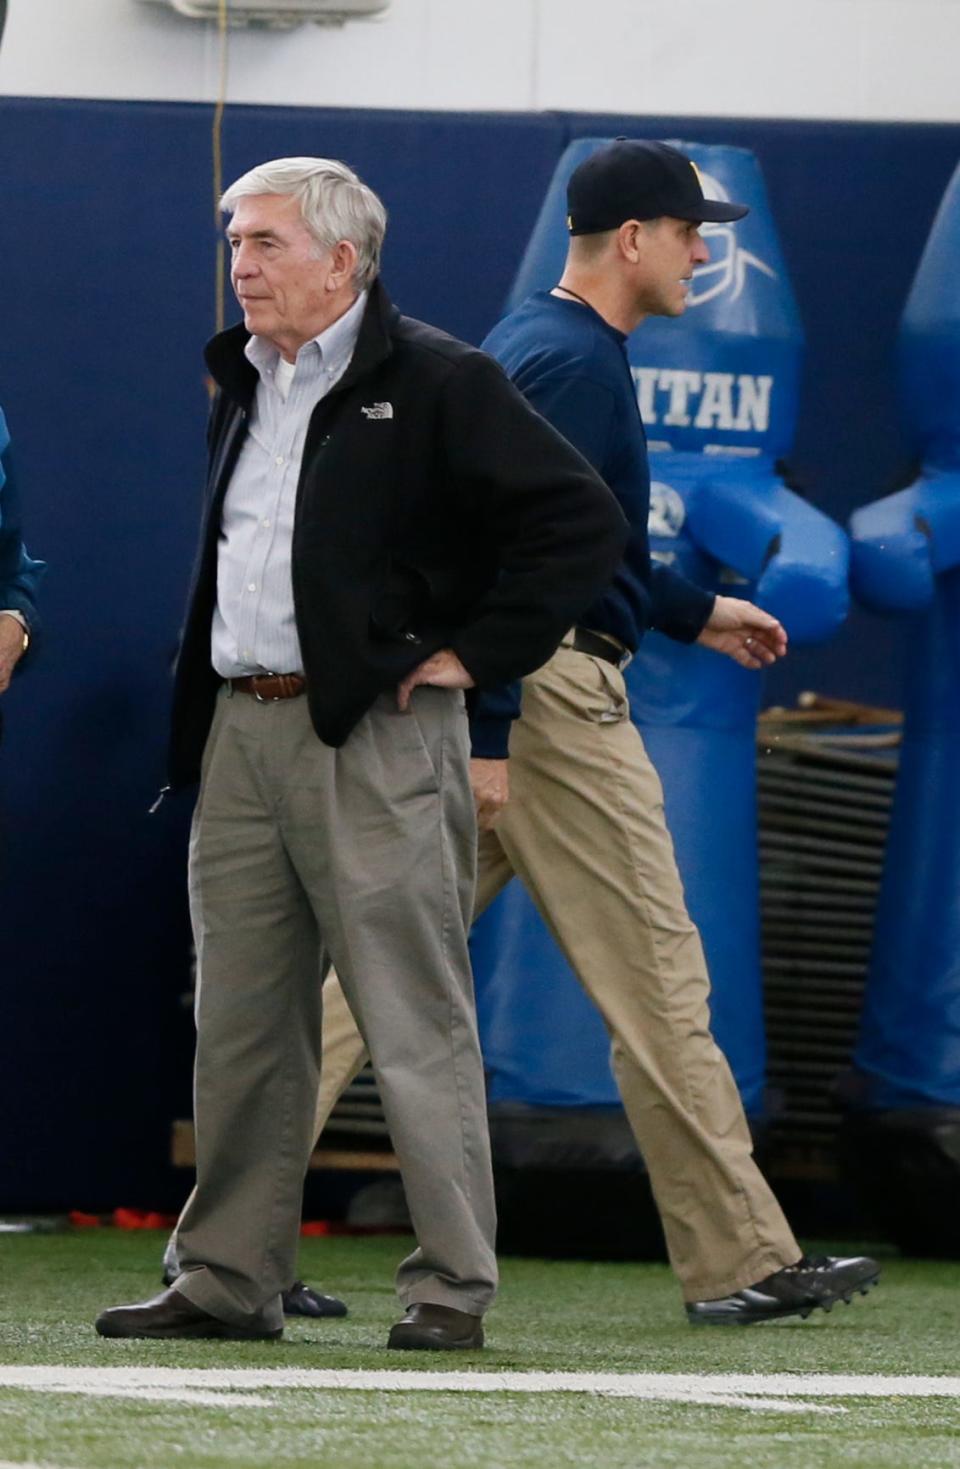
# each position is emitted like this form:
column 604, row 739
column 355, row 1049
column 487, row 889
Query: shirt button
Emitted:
column 280, row 459
column 251, row 586
column 264, row 523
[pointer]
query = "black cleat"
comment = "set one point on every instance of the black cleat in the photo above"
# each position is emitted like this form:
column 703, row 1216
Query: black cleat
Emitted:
column 171, row 1265
column 303, row 1300
column 796, row 1290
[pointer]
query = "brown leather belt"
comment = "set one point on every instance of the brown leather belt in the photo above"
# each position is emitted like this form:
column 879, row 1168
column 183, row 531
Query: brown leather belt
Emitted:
column 267, row 688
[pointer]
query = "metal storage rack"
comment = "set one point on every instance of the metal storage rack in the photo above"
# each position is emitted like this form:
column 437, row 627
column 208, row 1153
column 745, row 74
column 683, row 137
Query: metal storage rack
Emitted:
column 357, row 1128
column 826, row 775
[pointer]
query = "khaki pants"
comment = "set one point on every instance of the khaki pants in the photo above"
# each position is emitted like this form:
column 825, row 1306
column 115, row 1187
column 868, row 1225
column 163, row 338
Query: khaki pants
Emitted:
column 585, row 833
column 365, row 855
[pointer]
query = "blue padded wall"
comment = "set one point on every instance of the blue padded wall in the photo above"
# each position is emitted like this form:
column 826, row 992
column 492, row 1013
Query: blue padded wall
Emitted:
column 106, row 238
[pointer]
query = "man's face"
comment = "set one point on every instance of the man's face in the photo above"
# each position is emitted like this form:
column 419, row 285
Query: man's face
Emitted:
column 669, row 249
column 280, row 274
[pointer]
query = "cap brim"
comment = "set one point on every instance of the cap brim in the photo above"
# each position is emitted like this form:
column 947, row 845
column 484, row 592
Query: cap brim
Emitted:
column 714, row 211
column 706, row 211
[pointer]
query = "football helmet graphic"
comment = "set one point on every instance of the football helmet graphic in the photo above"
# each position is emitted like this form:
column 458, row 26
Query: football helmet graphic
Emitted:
column 726, row 269
column 667, row 511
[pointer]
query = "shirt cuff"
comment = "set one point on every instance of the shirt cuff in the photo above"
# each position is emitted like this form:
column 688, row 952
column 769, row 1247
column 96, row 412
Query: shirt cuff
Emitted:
column 490, row 737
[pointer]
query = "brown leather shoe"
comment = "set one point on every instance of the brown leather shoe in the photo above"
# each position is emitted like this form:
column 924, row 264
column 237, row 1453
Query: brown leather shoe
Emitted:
column 427, row 1328
column 170, row 1314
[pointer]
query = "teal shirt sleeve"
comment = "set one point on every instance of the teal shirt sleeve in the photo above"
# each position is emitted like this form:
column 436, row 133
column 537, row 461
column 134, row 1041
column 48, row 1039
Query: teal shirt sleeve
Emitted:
column 19, row 573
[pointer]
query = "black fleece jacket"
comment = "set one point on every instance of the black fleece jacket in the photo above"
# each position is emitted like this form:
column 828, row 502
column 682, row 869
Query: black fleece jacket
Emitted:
column 435, row 509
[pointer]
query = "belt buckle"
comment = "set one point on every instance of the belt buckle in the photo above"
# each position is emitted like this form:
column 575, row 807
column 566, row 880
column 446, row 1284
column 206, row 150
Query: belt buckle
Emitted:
column 260, row 698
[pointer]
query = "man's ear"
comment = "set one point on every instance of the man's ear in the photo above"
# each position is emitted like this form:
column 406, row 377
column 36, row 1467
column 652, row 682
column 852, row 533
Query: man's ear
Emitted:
column 629, row 237
column 344, row 263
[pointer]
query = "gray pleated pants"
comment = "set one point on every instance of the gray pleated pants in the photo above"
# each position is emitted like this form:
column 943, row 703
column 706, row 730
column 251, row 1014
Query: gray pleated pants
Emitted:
column 365, row 856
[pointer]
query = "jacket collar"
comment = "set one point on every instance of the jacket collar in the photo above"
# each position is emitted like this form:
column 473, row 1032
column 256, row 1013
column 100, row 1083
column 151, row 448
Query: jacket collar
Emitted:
column 237, row 377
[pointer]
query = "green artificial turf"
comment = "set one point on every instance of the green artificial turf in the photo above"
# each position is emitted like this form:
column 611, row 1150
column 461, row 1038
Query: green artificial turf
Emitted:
column 552, row 1316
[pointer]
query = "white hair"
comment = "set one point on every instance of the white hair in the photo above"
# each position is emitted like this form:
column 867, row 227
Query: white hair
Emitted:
column 334, row 203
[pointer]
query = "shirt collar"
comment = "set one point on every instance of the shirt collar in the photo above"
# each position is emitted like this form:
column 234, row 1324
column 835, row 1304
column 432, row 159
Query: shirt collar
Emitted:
column 334, row 345
column 583, row 307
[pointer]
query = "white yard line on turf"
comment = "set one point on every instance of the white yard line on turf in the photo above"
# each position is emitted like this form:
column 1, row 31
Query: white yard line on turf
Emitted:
column 9, row 1464
column 243, row 1386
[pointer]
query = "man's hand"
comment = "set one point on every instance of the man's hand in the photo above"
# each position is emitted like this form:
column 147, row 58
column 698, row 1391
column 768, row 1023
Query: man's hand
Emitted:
column 750, row 637
column 11, row 649
column 444, row 671
column 490, row 783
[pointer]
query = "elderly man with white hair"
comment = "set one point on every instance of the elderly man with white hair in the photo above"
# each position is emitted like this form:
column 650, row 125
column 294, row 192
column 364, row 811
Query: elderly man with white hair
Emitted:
column 388, row 524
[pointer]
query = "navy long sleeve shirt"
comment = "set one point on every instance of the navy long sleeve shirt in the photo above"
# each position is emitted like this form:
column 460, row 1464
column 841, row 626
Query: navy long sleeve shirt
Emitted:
column 572, row 367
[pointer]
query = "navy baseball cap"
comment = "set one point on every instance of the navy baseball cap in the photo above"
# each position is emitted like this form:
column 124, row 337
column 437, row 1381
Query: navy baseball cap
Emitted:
column 633, row 178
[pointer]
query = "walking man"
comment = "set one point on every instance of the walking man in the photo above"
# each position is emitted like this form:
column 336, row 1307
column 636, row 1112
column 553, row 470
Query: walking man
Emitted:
column 576, row 811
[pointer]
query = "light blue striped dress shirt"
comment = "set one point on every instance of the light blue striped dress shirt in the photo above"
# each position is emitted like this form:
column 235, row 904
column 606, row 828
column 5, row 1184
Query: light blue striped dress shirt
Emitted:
column 254, row 628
